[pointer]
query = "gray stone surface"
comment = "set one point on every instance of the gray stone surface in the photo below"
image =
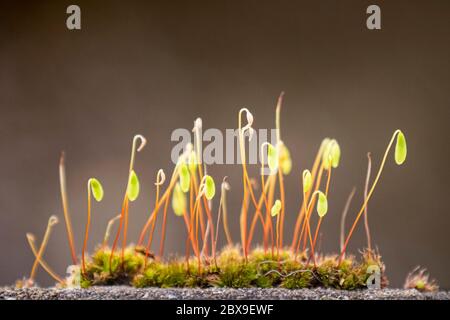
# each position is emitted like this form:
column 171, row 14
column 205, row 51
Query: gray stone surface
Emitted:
column 129, row 293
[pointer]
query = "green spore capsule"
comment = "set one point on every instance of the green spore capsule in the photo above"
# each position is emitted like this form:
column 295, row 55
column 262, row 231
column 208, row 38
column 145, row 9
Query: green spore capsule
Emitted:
column 178, row 200
column 133, row 186
column 400, row 148
column 272, row 158
column 276, row 208
column 210, row 187
column 185, row 178
column 307, row 181
column 97, row 189
column 322, row 204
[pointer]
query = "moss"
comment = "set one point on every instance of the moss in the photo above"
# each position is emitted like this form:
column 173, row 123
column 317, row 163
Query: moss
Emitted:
column 420, row 280
column 229, row 270
column 298, row 280
column 237, row 275
column 161, row 275
column 102, row 269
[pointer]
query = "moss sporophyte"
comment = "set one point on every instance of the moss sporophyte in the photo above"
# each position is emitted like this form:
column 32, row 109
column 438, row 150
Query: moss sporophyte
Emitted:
column 191, row 192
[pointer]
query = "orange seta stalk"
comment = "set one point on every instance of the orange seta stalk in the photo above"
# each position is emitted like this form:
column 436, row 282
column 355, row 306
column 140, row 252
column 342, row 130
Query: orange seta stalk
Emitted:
column 44, row 265
column 366, row 218
column 125, row 230
column 225, row 217
column 263, row 194
column 244, row 206
column 86, row 234
column 194, row 220
column 223, row 188
column 200, row 209
column 282, row 213
column 196, row 129
column 116, row 238
column 124, row 211
column 247, row 186
column 63, row 188
column 262, row 199
column 308, row 214
column 344, row 216
column 108, row 231
column 301, row 213
column 52, row 221
column 190, row 235
column 280, row 174
column 158, row 205
column 257, row 215
column 307, row 228
column 163, row 231
column 268, row 215
column 160, row 177
column 277, row 232
column 321, row 218
column 366, row 200
column 309, row 210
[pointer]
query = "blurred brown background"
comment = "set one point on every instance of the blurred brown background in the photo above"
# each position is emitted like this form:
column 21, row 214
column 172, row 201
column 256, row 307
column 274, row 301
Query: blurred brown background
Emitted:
column 150, row 67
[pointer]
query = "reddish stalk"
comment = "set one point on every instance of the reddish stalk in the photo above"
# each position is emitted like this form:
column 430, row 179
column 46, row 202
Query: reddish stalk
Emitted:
column 125, row 230
column 344, row 216
column 158, row 205
column 366, row 200
column 86, row 234
column 308, row 211
column 280, row 174
column 244, row 207
column 224, row 187
column 190, row 236
column 63, row 188
column 163, row 231
column 308, row 214
column 277, row 232
column 108, row 231
column 270, row 203
column 197, row 128
column 52, row 221
column 256, row 216
column 262, row 198
column 116, row 239
column 44, row 265
column 282, row 212
column 326, row 194
column 301, row 214
column 160, row 178
column 225, row 217
column 366, row 218
column 124, row 211
column 191, row 230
